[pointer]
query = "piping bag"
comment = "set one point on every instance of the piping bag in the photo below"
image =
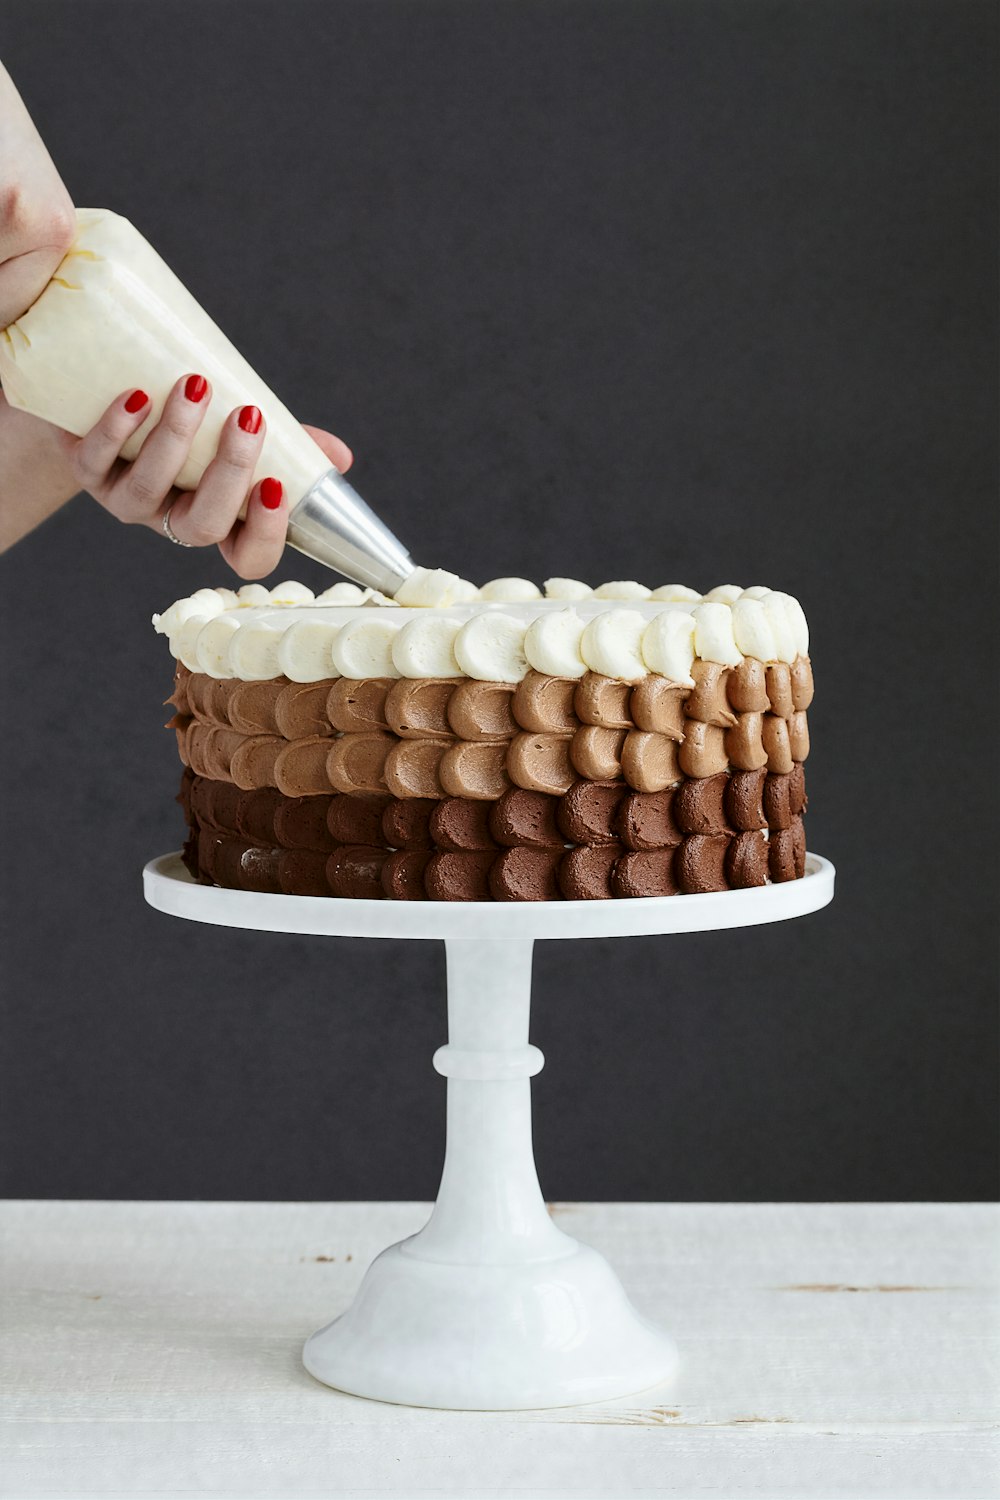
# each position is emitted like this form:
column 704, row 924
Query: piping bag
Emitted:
column 115, row 316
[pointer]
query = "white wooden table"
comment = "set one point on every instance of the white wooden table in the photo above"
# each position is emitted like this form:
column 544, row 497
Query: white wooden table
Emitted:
column 152, row 1349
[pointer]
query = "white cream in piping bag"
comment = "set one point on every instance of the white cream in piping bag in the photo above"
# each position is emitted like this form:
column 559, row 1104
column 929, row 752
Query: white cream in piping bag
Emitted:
column 114, row 318
column 260, row 633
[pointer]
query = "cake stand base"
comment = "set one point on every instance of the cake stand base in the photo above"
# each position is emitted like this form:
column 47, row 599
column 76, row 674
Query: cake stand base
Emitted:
column 548, row 1333
column 490, row 1305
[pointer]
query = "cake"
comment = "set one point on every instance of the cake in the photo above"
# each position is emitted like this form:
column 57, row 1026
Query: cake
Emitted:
column 492, row 744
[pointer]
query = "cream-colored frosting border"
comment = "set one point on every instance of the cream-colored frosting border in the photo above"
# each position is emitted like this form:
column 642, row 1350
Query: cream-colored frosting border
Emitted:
column 441, row 626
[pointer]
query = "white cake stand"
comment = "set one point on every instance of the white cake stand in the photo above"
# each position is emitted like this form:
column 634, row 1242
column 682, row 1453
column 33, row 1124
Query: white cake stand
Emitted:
column 490, row 1305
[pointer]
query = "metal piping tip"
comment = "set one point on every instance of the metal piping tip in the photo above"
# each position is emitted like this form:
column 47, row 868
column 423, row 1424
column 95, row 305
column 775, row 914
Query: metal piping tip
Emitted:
column 333, row 525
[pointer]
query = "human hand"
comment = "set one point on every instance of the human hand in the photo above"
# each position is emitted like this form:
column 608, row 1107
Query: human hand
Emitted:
column 143, row 492
column 37, row 222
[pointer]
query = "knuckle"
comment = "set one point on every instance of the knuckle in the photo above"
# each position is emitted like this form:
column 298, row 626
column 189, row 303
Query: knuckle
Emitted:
column 25, row 221
column 142, row 491
column 177, row 423
column 203, row 534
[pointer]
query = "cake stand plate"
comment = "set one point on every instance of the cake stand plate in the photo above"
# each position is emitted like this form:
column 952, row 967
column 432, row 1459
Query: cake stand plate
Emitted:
column 490, row 1306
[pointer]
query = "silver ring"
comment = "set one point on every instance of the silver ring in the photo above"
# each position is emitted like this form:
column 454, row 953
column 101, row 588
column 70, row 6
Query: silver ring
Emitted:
column 165, row 528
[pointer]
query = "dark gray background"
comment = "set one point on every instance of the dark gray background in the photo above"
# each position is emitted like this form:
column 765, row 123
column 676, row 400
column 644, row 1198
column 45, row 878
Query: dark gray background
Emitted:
column 658, row 290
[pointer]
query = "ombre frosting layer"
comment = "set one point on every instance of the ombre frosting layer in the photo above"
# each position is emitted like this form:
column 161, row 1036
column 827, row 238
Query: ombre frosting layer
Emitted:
column 440, row 626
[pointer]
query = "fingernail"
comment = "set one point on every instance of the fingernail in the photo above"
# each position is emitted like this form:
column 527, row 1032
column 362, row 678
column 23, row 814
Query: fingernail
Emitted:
column 136, row 401
column 249, row 419
column 270, row 491
column 195, row 387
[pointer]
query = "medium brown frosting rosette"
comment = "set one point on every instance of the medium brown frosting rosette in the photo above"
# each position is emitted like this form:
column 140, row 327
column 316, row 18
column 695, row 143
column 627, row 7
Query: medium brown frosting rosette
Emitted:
column 358, row 707
column 417, row 708
column 546, row 705
column 603, row 702
column 481, row 711
column 357, row 762
column 541, row 763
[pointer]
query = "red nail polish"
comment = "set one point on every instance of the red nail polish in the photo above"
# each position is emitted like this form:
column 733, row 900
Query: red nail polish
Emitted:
column 250, row 419
column 195, row 387
column 136, row 402
column 270, row 493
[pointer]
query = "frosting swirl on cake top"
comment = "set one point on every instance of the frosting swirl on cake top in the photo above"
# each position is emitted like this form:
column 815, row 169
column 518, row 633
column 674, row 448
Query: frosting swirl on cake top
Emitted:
column 442, row 626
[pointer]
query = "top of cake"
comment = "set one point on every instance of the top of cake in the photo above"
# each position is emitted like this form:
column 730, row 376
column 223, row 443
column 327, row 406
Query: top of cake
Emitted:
column 442, row 626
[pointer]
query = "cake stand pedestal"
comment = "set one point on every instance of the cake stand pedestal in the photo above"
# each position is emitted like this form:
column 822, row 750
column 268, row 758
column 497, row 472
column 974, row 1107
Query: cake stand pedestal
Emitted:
column 490, row 1305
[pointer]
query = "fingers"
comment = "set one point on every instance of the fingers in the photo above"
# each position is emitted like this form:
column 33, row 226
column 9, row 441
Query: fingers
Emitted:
column 209, row 513
column 94, row 457
column 254, row 546
column 140, row 490
column 335, row 448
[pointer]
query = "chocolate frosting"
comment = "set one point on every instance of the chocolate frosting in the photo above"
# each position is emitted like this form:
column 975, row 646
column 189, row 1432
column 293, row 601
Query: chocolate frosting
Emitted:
column 585, row 873
column 597, row 753
column 526, row 875
column 220, row 745
column 217, row 803
column 707, row 702
column 406, row 825
column 357, row 762
column 300, row 768
column 417, row 708
column 746, row 687
column 797, row 799
column 775, row 737
column 802, row 683
column 358, row 707
column 787, row 852
column 744, row 800
column 480, row 711
column 703, row 751
column 527, row 818
column 699, row 806
column 798, row 736
column 744, row 744
column 646, row 821
column 588, row 813
column 645, row 873
column 700, row 863
column 541, row 763
column 300, row 823
column 256, row 813
column 252, row 765
column 459, row 823
column 460, row 876
column 476, row 770
column 259, row 870
column 545, row 704
column 650, row 762
column 746, row 860
column 657, row 706
column 302, row 872
column 777, row 801
column 224, row 690
column 300, row 710
column 359, row 819
column 179, row 696
column 779, row 689
column 403, row 875
column 412, row 768
column 356, row 871
column 603, row 702
column 252, row 706
column 199, row 696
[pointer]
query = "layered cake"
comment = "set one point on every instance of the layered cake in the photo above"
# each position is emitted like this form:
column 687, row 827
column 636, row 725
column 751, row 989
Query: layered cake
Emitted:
column 491, row 744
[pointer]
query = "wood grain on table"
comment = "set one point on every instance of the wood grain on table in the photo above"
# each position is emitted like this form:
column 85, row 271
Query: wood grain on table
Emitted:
column 152, row 1349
